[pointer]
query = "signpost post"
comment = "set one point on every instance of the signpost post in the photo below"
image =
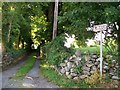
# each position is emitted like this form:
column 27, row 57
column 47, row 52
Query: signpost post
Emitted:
column 100, row 28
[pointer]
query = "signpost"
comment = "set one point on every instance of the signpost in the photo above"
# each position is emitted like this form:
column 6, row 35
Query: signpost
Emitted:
column 100, row 28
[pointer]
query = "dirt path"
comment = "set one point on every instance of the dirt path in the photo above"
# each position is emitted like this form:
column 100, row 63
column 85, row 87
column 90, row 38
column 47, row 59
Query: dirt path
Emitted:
column 8, row 74
column 31, row 80
column 34, row 80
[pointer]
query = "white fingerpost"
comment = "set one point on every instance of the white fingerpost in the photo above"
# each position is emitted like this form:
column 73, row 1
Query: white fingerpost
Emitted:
column 101, row 54
column 100, row 28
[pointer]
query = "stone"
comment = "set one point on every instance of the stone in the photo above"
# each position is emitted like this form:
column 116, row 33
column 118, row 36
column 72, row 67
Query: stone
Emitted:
column 98, row 66
column 67, row 69
column 87, row 57
column 108, row 56
column 62, row 64
column 106, row 67
column 89, row 65
column 104, row 71
column 111, row 70
column 89, row 62
column 92, row 72
column 83, row 76
column 93, row 60
column 86, row 72
column 111, row 73
column 74, row 56
column 94, row 56
column 76, row 78
column 67, row 73
column 105, row 63
column 115, row 70
column 73, row 65
column 72, row 60
column 69, row 64
column 94, row 68
column 114, row 62
column 5, row 55
column 78, row 58
column 66, row 61
column 115, row 77
column 116, row 82
column 62, row 71
column 69, row 76
column 116, row 66
column 98, row 59
column 77, row 62
column 116, row 86
column 113, row 65
column 73, row 74
column 86, row 68
column 78, row 53
column 96, row 63
column 71, row 70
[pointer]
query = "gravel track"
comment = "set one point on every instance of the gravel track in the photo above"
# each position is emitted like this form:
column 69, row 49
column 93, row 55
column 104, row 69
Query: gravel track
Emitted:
column 32, row 80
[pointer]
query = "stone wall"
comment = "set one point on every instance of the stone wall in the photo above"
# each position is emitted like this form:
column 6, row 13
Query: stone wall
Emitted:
column 79, row 67
column 8, row 61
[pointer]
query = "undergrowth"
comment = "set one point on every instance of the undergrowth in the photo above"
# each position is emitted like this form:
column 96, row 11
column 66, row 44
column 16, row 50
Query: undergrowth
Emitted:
column 56, row 52
column 61, row 81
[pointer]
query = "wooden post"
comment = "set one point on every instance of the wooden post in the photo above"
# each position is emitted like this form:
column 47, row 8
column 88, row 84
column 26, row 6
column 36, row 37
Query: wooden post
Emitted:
column 55, row 19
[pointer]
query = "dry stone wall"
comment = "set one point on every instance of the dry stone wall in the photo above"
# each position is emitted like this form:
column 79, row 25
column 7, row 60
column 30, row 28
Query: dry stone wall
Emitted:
column 8, row 61
column 76, row 67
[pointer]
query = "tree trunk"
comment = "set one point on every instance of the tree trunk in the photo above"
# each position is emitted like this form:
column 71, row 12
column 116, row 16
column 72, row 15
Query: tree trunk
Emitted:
column 23, row 44
column 50, row 12
column 10, row 26
column 18, row 43
column 55, row 19
column 118, row 34
column 118, row 40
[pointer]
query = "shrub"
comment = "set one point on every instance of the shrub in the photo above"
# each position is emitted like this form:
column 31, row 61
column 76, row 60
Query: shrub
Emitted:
column 93, row 79
column 55, row 51
column 15, row 53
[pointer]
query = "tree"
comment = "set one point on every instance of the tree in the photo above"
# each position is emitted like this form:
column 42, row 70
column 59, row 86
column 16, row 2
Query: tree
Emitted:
column 76, row 16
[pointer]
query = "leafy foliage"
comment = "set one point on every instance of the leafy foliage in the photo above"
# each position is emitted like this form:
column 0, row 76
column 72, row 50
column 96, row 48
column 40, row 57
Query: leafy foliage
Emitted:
column 16, row 53
column 56, row 52
column 93, row 79
column 78, row 69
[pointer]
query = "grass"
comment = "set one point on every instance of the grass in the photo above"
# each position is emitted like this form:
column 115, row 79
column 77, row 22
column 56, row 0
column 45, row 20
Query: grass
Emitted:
column 64, row 82
column 61, row 81
column 95, row 49
column 25, row 68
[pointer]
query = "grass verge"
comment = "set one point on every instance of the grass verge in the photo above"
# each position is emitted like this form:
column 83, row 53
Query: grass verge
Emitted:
column 95, row 49
column 64, row 82
column 26, row 67
column 61, row 81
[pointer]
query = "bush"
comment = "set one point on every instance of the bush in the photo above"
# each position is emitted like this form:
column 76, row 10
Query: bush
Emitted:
column 93, row 79
column 55, row 51
column 15, row 53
